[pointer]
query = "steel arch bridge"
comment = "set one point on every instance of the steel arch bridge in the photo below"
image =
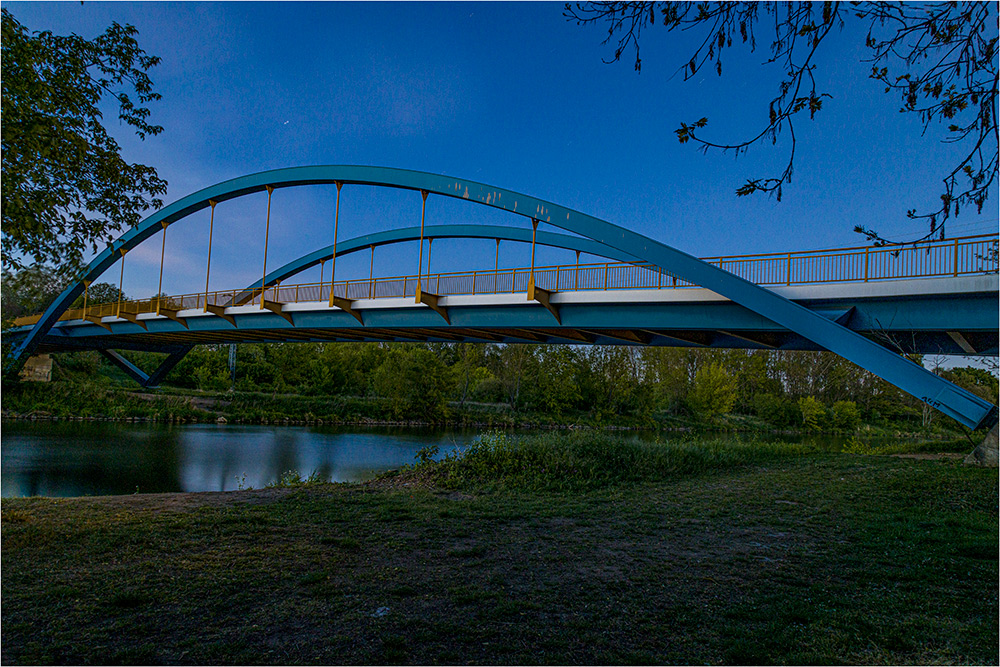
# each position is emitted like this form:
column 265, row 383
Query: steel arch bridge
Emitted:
column 647, row 293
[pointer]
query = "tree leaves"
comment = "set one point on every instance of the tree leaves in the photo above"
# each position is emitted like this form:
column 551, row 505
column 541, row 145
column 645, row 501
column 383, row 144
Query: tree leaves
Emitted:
column 66, row 188
column 947, row 53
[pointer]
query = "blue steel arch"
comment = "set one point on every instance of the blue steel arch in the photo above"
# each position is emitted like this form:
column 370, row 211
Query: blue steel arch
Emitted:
column 406, row 234
column 954, row 401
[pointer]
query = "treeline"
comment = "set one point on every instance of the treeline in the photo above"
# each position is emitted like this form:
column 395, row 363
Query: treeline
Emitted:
column 557, row 383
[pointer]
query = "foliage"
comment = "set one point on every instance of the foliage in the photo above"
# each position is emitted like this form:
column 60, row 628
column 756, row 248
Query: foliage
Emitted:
column 426, row 454
column 813, row 413
column 100, row 293
column 65, row 185
column 977, row 380
column 292, row 479
column 714, row 391
column 940, row 59
column 416, row 382
column 28, row 291
column 845, row 415
column 777, row 410
column 574, row 461
column 645, row 387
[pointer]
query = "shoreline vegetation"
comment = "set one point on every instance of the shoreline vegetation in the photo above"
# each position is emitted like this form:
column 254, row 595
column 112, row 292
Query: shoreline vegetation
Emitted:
column 72, row 401
column 496, row 386
column 563, row 547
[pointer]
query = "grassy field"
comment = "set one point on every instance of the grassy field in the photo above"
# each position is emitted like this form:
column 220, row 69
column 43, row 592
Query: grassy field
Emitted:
column 554, row 549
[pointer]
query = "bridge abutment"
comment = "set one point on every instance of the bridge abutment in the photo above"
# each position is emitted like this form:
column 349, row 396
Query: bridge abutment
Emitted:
column 986, row 454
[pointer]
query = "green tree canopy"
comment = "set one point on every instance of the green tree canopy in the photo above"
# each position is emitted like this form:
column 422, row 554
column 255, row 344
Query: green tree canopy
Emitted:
column 65, row 185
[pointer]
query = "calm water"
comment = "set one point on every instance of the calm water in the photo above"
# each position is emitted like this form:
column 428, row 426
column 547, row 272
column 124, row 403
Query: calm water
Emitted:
column 102, row 458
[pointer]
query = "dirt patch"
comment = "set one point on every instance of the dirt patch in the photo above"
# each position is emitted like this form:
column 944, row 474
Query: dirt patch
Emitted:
column 158, row 503
column 930, row 457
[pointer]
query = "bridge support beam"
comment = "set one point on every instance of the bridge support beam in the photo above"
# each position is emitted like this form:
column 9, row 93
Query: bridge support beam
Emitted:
column 346, row 305
column 431, row 300
column 544, row 297
column 220, row 311
column 138, row 374
column 987, row 453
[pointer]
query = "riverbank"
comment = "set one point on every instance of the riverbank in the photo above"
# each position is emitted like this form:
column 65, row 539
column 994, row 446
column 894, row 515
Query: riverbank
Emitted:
column 646, row 553
column 83, row 402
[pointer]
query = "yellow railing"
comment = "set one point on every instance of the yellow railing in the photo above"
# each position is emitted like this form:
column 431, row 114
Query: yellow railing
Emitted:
column 967, row 255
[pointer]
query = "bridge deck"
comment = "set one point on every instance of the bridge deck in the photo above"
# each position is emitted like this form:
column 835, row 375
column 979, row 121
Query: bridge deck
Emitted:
column 929, row 315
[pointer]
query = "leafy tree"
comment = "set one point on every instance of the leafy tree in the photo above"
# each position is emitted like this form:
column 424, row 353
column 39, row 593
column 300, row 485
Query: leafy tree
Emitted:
column 470, row 359
column 714, row 391
column 416, row 381
column 813, row 413
column 28, row 291
column 845, row 415
column 510, row 364
column 940, row 59
column 977, row 380
column 65, row 185
column 554, row 388
column 776, row 410
column 100, row 293
column 668, row 369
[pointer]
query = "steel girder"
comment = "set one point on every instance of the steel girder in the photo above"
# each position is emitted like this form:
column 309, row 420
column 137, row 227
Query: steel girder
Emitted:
column 954, row 401
column 377, row 239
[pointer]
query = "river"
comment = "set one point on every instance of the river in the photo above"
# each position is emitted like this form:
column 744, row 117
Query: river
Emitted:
column 65, row 459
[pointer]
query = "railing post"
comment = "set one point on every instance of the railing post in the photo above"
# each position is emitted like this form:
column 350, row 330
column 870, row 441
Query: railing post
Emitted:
column 473, row 283
column 956, row 258
column 576, row 284
column 513, row 279
column 606, row 277
column 866, row 263
column 789, row 263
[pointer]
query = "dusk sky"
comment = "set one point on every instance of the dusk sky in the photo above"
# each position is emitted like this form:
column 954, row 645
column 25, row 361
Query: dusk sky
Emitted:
column 512, row 95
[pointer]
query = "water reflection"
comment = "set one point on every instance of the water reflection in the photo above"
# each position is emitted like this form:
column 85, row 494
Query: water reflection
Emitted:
column 96, row 458
column 100, row 458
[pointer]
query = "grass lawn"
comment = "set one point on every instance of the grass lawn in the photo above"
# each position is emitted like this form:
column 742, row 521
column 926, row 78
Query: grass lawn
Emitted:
column 794, row 557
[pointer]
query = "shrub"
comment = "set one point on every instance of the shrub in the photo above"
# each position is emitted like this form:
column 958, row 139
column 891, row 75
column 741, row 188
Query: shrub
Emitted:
column 714, row 391
column 580, row 460
column 813, row 413
column 776, row 410
column 845, row 415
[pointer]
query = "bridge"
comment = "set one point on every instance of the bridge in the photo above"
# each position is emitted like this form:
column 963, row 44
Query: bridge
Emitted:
column 866, row 304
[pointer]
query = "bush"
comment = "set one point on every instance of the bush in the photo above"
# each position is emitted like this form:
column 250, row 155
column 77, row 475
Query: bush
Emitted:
column 845, row 415
column 570, row 461
column 813, row 413
column 416, row 382
column 714, row 391
column 776, row 410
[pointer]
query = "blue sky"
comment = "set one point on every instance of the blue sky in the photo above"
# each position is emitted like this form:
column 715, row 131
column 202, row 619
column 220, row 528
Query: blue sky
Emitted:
column 509, row 94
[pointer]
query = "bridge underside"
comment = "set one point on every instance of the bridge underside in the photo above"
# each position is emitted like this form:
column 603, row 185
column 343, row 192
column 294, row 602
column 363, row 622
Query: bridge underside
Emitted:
column 904, row 316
